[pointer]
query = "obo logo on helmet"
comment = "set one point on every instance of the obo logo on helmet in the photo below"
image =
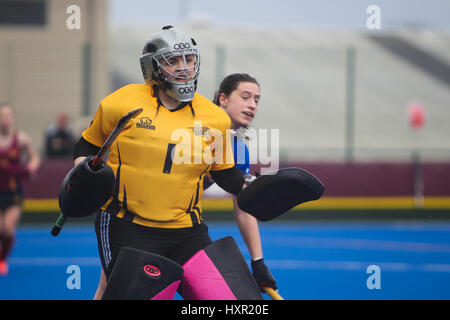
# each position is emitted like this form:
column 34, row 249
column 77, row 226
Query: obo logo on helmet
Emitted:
column 181, row 46
column 183, row 90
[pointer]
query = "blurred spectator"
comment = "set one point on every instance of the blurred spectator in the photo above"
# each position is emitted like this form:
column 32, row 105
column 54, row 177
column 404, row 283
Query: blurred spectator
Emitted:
column 59, row 140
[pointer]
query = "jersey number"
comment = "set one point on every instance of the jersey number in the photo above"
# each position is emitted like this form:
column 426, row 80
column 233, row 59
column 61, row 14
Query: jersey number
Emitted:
column 169, row 155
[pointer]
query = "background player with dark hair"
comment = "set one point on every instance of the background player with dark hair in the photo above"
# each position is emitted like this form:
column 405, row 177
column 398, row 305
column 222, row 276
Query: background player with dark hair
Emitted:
column 239, row 95
column 156, row 205
column 18, row 159
column 59, row 140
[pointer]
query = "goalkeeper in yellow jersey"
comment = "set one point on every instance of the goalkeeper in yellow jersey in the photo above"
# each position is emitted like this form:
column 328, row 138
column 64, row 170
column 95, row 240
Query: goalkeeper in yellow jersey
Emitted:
column 161, row 157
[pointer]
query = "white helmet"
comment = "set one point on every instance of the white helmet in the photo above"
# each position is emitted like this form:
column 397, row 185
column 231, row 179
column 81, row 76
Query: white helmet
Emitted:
column 161, row 47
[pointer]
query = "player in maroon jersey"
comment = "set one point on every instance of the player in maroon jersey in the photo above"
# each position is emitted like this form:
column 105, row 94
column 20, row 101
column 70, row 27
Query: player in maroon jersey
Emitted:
column 18, row 160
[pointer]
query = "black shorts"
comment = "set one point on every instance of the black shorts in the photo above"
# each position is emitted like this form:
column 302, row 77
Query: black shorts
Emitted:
column 10, row 198
column 176, row 244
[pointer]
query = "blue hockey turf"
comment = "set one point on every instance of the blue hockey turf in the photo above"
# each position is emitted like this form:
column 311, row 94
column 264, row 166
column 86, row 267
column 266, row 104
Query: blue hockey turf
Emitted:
column 333, row 260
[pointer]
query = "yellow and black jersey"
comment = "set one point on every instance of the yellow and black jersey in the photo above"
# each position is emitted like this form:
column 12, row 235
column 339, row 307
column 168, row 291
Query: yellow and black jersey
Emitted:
column 161, row 156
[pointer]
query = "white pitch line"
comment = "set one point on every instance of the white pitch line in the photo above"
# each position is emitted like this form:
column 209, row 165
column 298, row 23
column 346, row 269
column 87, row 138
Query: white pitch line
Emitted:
column 330, row 265
column 355, row 266
column 54, row 261
column 358, row 244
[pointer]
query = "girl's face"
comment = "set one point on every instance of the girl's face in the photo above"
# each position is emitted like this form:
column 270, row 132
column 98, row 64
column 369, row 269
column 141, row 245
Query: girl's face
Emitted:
column 242, row 104
column 178, row 69
column 6, row 118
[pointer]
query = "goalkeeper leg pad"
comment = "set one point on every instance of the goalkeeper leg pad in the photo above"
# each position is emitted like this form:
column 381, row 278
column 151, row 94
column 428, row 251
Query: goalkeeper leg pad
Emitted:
column 219, row 272
column 140, row 275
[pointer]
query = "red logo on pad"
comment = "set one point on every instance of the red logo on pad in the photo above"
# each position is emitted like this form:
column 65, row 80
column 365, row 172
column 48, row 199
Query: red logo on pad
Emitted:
column 152, row 271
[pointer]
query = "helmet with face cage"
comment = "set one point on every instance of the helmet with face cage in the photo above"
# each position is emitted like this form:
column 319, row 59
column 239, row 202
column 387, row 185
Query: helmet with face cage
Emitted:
column 161, row 51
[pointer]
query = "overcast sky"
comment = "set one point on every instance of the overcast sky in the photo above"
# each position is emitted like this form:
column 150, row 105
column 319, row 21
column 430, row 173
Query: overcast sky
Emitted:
column 304, row 13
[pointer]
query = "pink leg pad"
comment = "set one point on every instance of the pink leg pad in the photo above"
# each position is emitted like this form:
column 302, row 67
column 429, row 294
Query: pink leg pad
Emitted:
column 202, row 281
column 168, row 293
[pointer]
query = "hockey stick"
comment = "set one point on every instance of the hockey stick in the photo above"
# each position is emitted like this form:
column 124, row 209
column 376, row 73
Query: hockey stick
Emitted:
column 272, row 293
column 98, row 158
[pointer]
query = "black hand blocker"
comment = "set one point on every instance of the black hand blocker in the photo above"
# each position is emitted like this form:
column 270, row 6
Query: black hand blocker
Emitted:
column 85, row 189
column 271, row 195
